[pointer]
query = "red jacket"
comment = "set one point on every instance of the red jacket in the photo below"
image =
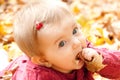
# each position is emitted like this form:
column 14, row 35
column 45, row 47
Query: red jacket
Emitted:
column 29, row 71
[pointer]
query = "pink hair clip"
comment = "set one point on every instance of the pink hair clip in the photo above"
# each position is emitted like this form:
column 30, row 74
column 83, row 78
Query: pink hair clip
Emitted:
column 39, row 25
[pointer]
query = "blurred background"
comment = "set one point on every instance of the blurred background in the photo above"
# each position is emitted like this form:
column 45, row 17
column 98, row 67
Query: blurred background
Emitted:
column 100, row 21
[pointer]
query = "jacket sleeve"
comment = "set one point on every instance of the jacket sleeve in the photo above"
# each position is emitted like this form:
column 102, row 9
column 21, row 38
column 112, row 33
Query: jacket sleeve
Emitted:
column 112, row 61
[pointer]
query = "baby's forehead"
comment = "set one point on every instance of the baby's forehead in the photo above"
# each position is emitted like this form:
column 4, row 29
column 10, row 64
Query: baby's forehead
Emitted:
column 62, row 28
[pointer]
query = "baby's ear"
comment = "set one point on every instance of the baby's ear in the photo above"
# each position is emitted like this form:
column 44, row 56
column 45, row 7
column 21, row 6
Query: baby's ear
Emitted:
column 37, row 60
column 40, row 61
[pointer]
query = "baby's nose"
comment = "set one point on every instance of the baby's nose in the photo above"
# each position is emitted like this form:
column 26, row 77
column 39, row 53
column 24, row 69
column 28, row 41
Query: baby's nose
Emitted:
column 76, row 43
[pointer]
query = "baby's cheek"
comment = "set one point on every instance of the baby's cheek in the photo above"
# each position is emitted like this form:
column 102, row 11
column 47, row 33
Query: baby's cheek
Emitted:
column 84, row 43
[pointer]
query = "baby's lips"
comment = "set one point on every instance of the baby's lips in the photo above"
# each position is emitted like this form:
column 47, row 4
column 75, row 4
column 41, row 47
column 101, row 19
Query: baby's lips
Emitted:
column 78, row 56
column 81, row 57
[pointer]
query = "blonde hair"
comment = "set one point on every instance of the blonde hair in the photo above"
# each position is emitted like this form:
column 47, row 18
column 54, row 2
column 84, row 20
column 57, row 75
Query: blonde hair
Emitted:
column 50, row 12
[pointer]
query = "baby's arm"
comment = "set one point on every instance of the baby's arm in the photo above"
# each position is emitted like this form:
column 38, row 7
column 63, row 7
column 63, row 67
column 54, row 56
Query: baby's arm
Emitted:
column 103, row 61
column 112, row 61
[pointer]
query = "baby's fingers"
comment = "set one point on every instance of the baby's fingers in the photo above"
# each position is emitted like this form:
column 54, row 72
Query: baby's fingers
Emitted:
column 89, row 54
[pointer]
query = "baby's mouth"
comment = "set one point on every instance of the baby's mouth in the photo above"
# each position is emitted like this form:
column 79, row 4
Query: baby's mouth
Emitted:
column 78, row 59
column 78, row 56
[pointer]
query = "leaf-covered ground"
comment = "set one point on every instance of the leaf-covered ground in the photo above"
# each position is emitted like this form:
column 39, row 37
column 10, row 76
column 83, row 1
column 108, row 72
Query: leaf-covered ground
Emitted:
column 99, row 19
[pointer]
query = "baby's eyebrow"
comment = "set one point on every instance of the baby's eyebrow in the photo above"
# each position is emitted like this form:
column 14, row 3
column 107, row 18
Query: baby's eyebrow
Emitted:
column 60, row 37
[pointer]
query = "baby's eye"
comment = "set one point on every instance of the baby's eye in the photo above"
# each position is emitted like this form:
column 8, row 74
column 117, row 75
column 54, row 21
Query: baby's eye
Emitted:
column 75, row 30
column 62, row 43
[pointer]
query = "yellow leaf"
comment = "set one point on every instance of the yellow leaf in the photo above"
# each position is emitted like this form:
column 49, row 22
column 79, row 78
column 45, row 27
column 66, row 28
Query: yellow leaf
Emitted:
column 8, row 23
column 2, row 30
column 82, row 20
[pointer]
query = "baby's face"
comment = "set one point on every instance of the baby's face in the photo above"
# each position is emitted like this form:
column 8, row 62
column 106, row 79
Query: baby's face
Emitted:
column 62, row 44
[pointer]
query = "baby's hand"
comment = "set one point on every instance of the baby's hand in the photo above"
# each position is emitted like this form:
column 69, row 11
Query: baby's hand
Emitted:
column 92, row 59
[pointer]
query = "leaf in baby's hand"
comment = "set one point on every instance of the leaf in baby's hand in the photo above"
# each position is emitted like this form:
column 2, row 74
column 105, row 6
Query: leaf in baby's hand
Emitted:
column 96, row 64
